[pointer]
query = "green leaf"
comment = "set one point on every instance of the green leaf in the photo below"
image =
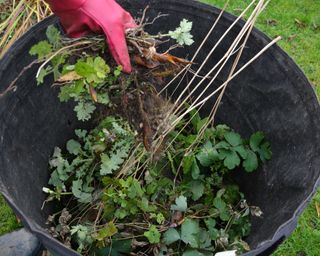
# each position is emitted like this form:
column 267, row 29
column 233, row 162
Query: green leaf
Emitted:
column 153, row 235
column 73, row 147
column 222, row 207
column 84, row 110
column 117, row 71
column 204, row 239
column 84, row 69
column 251, row 162
column 43, row 73
column 109, row 230
column 189, row 232
column 187, row 163
column 193, row 253
column 231, row 158
column 222, row 145
column 255, row 140
column 118, row 248
column 233, row 138
column 182, row 34
column 195, row 171
column 73, row 90
column 53, row 35
column 41, row 49
column 265, row 152
column 242, row 151
column 101, row 67
column 160, row 218
column 103, row 98
column 195, row 118
column 219, row 203
column 207, row 155
column 112, row 163
column 83, row 197
column 213, row 232
column 81, row 134
column 171, row 236
column 197, row 189
column 181, row 204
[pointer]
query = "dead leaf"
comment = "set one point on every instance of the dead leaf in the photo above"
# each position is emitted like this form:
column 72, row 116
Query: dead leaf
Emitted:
column 165, row 57
column 292, row 37
column 144, row 62
column 71, row 76
column 300, row 24
column 93, row 93
column 272, row 22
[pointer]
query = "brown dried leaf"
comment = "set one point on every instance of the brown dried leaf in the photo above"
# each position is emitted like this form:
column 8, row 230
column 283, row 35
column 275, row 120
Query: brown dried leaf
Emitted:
column 71, row 76
column 93, row 93
column 165, row 57
column 300, row 23
column 292, row 37
column 145, row 63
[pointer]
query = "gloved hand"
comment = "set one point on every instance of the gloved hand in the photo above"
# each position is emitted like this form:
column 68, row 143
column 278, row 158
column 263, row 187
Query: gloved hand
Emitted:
column 80, row 17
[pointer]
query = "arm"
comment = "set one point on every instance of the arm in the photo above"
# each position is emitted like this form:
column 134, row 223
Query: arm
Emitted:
column 81, row 17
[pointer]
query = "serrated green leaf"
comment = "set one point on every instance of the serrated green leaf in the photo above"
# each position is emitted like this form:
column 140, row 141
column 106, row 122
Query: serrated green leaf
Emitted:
column 109, row 230
column 43, row 73
column 186, row 25
column 181, row 204
column 41, row 49
column 171, row 236
column 84, row 110
column 77, row 190
column 103, row 99
column 197, row 189
column 72, row 90
column 189, row 232
column 182, row 34
column 160, row 218
column 251, row 162
column 101, row 67
column 233, row 138
column 53, row 35
column 153, row 235
column 112, row 163
column 73, row 147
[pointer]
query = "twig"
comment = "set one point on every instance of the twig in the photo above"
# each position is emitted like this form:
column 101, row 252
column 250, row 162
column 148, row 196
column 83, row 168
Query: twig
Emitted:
column 12, row 86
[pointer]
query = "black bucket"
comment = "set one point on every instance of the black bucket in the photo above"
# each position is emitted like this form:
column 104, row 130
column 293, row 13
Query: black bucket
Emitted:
column 271, row 95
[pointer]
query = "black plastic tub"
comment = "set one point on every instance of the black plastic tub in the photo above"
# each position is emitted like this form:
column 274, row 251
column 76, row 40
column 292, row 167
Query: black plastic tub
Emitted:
column 271, row 95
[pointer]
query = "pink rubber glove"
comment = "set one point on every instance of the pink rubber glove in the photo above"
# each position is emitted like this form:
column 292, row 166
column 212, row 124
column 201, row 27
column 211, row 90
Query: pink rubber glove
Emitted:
column 81, row 17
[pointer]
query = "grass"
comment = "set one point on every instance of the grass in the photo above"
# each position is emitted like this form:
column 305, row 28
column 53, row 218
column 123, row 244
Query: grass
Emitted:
column 298, row 22
column 8, row 221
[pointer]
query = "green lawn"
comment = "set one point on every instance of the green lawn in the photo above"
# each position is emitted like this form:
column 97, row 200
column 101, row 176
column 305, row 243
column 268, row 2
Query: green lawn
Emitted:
column 8, row 221
column 298, row 21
